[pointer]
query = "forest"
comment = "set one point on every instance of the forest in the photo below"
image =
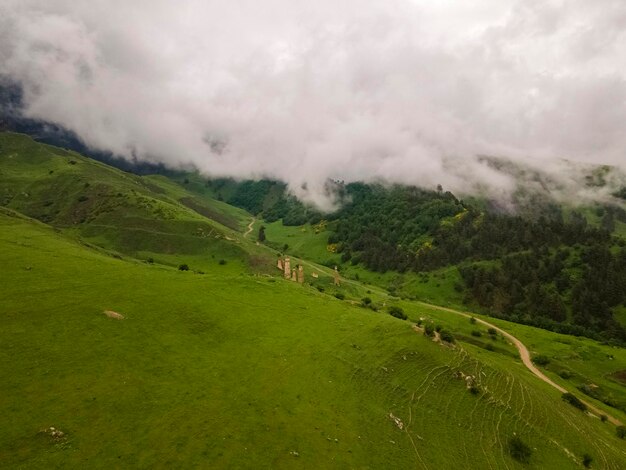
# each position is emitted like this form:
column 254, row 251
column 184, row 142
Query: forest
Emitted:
column 548, row 267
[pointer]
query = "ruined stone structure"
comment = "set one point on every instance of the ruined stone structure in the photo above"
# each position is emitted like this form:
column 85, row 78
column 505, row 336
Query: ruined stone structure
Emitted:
column 287, row 268
column 336, row 276
column 296, row 274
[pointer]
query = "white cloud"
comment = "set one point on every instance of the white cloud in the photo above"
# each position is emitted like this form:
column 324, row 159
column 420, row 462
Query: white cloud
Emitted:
column 409, row 91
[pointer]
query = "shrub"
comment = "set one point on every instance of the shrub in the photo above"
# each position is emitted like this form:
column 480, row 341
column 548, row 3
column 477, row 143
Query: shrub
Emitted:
column 183, row 267
column 340, row 296
column 489, row 347
column 492, row 332
column 519, row 450
column 474, row 389
column 83, row 198
column 366, row 300
column 621, row 431
column 574, row 401
column 419, row 322
column 221, row 262
column 320, row 288
column 565, row 374
column 587, row 459
column 603, row 418
column 397, row 312
column 446, row 336
column 476, row 333
column 429, row 330
column 438, row 328
column 541, row 360
column 472, row 320
column 150, row 261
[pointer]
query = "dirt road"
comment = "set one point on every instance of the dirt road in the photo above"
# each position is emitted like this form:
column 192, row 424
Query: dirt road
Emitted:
column 249, row 229
column 525, row 356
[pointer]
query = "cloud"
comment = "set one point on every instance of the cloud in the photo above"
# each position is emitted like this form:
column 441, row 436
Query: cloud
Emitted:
column 406, row 91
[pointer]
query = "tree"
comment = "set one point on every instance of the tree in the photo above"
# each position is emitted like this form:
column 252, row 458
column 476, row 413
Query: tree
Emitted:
column 587, row 459
column 262, row 233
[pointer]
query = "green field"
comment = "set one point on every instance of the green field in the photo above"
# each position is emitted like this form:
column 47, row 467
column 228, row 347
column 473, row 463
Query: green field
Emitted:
column 227, row 365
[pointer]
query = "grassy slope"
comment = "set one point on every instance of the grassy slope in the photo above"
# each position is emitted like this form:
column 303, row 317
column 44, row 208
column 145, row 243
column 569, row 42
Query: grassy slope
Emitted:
column 137, row 216
column 225, row 369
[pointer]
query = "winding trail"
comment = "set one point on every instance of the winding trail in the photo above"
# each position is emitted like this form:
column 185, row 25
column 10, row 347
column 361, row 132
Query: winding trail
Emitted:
column 525, row 356
column 249, row 229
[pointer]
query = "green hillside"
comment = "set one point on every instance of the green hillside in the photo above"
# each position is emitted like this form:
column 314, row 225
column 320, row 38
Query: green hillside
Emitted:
column 140, row 364
column 230, row 370
column 147, row 217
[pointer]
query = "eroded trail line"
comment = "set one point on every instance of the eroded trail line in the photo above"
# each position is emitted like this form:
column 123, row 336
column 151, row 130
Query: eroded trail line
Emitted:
column 249, row 229
column 525, row 356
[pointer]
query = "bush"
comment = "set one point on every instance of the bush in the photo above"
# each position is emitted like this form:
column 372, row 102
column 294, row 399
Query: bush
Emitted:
column 587, row 459
column 438, row 328
column 221, row 262
column 489, row 347
column 446, row 336
column 476, row 333
column 366, row 300
column 603, row 418
column 565, row 374
column 340, row 296
column 320, row 288
column 492, row 332
column 541, row 360
column 574, row 401
column 472, row 320
column 621, row 431
column 429, row 330
column 419, row 322
column 519, row 450
column 150, row 261
column 397, row 312
column 183, row 267
column 474, row 389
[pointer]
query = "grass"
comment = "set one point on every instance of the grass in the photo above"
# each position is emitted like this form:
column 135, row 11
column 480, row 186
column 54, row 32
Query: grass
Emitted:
column 228, row 369
column 108, row 207
column 228, row 365
column 305, row 241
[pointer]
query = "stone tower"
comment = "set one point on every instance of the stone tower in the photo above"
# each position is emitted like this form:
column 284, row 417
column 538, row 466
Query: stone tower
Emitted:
column 279, row 265
column 287, row 266
column 336, row 276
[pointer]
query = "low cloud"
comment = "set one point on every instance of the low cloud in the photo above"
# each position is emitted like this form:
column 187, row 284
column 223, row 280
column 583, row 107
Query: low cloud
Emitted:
column 397, row 90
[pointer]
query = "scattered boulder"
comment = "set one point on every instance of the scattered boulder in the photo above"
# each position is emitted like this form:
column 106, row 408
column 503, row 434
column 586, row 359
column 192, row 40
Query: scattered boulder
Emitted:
column 112, row 314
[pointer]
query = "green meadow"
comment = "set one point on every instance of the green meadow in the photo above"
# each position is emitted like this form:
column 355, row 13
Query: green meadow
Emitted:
column 227, row 365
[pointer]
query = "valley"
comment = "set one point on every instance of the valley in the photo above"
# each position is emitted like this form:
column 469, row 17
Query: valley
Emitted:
column 226, row 363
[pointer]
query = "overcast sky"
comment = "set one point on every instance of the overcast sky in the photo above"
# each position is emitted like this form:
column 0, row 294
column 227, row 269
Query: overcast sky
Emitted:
column 406, row 90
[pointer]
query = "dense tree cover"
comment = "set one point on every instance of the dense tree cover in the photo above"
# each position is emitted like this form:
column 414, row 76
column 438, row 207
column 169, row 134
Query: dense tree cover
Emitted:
column 385, row 228
column 563, row 275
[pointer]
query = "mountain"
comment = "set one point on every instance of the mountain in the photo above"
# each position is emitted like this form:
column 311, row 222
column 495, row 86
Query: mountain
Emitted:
column 114, row 355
